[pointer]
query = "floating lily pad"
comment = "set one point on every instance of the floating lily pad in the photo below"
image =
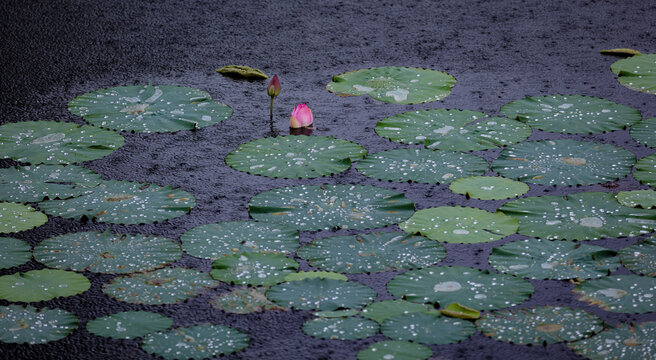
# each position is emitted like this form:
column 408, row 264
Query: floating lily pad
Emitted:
column 245, row 300
column 397, row 85
column 456, row 130
column 35, row 183
column 620, row 293
column 421, row 165
column 147, row 108
column 124, row 202
column 559, row 260
column 397, row 350
column 637, row 72
column 644, row 132
column 488, row 187
column 571, row 114
column 29, row 325
column 645, row 199
column 564, row 162
column 349, row 328
column 331, row 206
column 336, row 313
column 301, row 275
column 52, row 142
column 41, row 285
column 106, row 252
column 163, row 286
column 460, row 224
column 195, row 342
column 295, row 156
column 19, row 217
column 474, row 288
column 621, row 342
column 645, row 170
column 539, row 325
column 241, row 71
column 129, row 324
column 432, row 329
column 321, row 294
column 456, row 310
column 582, row 216
column 640, row 257
column 14, row 252
column 383, row 310
column 253, row 268
column 372, row 252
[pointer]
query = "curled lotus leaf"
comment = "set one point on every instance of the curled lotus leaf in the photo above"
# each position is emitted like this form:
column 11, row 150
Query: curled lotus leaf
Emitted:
column 242, row 71
column 630, row 294
column 637, row 72
column 645, row 170
column 644, row 132
column 645, row 199
column 640, row 257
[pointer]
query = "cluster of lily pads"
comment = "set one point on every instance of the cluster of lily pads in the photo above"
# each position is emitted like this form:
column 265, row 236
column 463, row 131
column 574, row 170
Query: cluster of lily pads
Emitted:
column 433, row 305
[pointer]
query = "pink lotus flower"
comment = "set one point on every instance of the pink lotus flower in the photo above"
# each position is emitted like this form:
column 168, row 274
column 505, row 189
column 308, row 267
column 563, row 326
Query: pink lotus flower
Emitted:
column 301, row 116
column 273, row 89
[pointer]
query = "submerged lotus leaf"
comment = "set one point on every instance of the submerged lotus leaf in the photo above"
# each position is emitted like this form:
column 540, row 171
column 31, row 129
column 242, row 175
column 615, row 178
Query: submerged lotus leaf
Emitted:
column 645, row 170
column 630, row 294
column 372, row 252
column 295, row 156
column 245, row 300
column 52, row 142
column 571, row 114
column 640, row 257
column 488, row 187
column 106, row 252
column 18, row 217
column 13, row 252
column 321, row 294
column 195, row 342
column 383, row 310
column 301, row 275
column 348, row 328
column 637, row 72
column 129, row 324
column 149, row 108
column 28, row 325
column 35, row 183
column 564, row 162
column 41, row 285
column 474, row 288
column 253, row 268
column 539, row 325
column 241, row 71
column 558, row 260
column 457, row 224
column 323, row 207
column 644, row 132
column 582, row 216
column 397, row 350
column 124, row 202
column 620, row 342
column 645, row 199
column 431, row 329
column 392, row 84
column 421, row 165
column 163, row 286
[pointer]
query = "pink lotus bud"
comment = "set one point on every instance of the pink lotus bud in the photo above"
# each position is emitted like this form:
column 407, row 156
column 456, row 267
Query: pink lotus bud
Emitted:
column 274, row 86
column 301, row 116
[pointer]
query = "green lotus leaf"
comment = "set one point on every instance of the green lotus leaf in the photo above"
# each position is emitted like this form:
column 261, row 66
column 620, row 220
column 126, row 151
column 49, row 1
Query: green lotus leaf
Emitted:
column 35, row 183
column 630, row 294
column 645, row 199
column 383, row 310
column 488, row 187
column 645, row 170
column 195, row 342
column 241, row 71
column 397, row 85
column 432, row 329
column 253, row 268
column 18, row 217
column 456, row 310
column 129, row 324
column 321, row 294
column 349, row 328
column 149, row 108
column 621, row 342
column 644, row 132
column 397, row 350
column 336, row 313
column 28, row 325
column 14, row 252
column 302, row 275
column 640, row 257
column 41, row 285
column 245, row 300
column 637, row 72
column 52, row 142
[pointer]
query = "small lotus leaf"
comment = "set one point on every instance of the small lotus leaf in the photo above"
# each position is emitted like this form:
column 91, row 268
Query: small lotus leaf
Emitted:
column 129, row 324
column 630, row 294
column 321, row 294
column 645, row 170
column 397, row 350
column 645, row 199
column 431, row 329
column 35, row 183
column 456, row 310
column 349, row 328
column 488, row 187
column 640, row 257
column 644, row 132
column 195, row 342
column 245, row 300
column 28, row 325
column 383, row 310
column 621, row 342
column 253, row 268
column 18, row 217
column 301, row 275
column 637, row 72
column 241, row 71
column 41, row 285
column 13, row 252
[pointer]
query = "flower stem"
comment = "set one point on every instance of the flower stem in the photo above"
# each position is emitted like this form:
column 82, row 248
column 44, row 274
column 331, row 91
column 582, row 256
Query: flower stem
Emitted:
column 271, row 116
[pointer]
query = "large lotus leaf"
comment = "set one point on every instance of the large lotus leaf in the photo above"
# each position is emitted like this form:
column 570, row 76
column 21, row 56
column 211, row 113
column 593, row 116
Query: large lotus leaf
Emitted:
column 245, row 300
column 221, row 239
column 564, row 162
column 13, row 252
column 41, row 285
column 645, row 199
column 106, row 252
column 336, row 314
column 559, row 260
column 372, row 252
column 432, row 329
column 621, row 342
column 640, row 257
column 539, row 325
column 348, row 328
column 52, row 142
column 331, row 206
column 488, row 187
column 457, row 224
column 571, row 114
column 397, row 85
column 456, row 130
column 397, row 350
column 620, row 293
column 163, row 286
column 383, row 310
column 129, row 324
column 295, row 156
column 124, row 202
column 35, row 183
column 195, row 342
column 147, row 108
column 644, row 132
column 421, row 165
column 253, row 268
column 637, row 72
column 645, row 170
column 582, row 216
column 321, row 294
column 474, row 288
column 29, row 325
column 19, row 217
